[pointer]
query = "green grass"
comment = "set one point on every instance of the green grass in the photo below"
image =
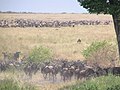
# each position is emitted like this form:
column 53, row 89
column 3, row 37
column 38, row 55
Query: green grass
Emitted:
column 10, row 84
column 101, row 83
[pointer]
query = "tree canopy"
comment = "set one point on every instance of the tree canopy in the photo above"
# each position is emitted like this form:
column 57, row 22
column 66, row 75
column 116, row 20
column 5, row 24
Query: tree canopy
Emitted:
column 101, row 6
column 105, row 7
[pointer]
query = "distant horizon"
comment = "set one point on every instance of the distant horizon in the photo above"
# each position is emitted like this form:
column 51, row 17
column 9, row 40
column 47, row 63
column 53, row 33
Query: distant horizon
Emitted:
column 46, row 6
column 43, row 12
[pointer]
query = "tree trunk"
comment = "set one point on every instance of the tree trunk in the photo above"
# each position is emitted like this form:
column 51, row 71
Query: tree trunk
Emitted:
column 116, row 21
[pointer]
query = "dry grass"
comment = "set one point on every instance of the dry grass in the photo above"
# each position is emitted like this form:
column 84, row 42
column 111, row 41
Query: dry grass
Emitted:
column 62, row 41
column 53, row 16
column 37, row 80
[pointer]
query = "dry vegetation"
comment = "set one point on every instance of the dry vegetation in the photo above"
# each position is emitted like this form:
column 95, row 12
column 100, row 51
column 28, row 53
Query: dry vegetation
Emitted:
column 62, row 41
column 61, row 17
column 37, row 80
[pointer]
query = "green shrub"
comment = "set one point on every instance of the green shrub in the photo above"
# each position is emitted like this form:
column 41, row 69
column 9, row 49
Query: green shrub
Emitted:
column 95, row 46
column 102, row 53
column 9, row 84
column 39, row 54
column 100, row 83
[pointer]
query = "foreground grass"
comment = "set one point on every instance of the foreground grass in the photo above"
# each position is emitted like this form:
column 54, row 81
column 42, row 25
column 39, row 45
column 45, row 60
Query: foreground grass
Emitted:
column 22, row 82
column 10, row 84
column 101, row 83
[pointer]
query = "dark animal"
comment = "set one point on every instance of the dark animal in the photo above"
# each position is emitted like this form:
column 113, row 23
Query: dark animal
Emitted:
column 86, row 74
column 110, row 70
column 79, row 41
column 116, row 71
column 50, row 70
column 67, row 73
column 16, row 55
column 5, row 55
column 3, row 66
column 100, row 71
column 31, row 68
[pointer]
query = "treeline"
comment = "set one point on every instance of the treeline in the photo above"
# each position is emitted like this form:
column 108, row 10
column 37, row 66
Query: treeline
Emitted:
column 13, row 12
column 18, row 12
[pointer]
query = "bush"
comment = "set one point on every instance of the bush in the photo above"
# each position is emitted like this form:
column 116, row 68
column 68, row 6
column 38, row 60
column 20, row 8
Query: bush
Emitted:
column 39, row 54
column 9, row 84
column 95, row 46
column 102, row 53
column 100, row 83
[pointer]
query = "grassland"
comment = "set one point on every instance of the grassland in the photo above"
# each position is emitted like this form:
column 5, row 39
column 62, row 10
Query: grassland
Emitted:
column 62, row 41
column 57, row 16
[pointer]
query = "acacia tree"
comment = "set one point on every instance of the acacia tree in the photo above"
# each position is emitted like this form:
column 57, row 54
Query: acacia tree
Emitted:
column 111, row 7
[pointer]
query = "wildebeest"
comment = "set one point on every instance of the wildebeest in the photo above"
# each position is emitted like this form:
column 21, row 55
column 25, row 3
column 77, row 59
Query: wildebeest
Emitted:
column 49, row 71
column 64, row 68
column 31, row 68
column 54, row 23
column 116, row 71
column 86, row 74
column 113, row 70
column 67, row 73
column 3, row 66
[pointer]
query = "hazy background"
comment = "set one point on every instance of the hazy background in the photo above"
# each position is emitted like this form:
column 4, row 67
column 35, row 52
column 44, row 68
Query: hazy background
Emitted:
column 43, row 6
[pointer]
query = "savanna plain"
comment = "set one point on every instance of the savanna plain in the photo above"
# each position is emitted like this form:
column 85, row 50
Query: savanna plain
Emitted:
column 62, row 41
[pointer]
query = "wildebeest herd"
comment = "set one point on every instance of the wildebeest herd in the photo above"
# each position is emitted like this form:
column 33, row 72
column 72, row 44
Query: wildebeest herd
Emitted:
column 53, row 23
column 54, row 69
